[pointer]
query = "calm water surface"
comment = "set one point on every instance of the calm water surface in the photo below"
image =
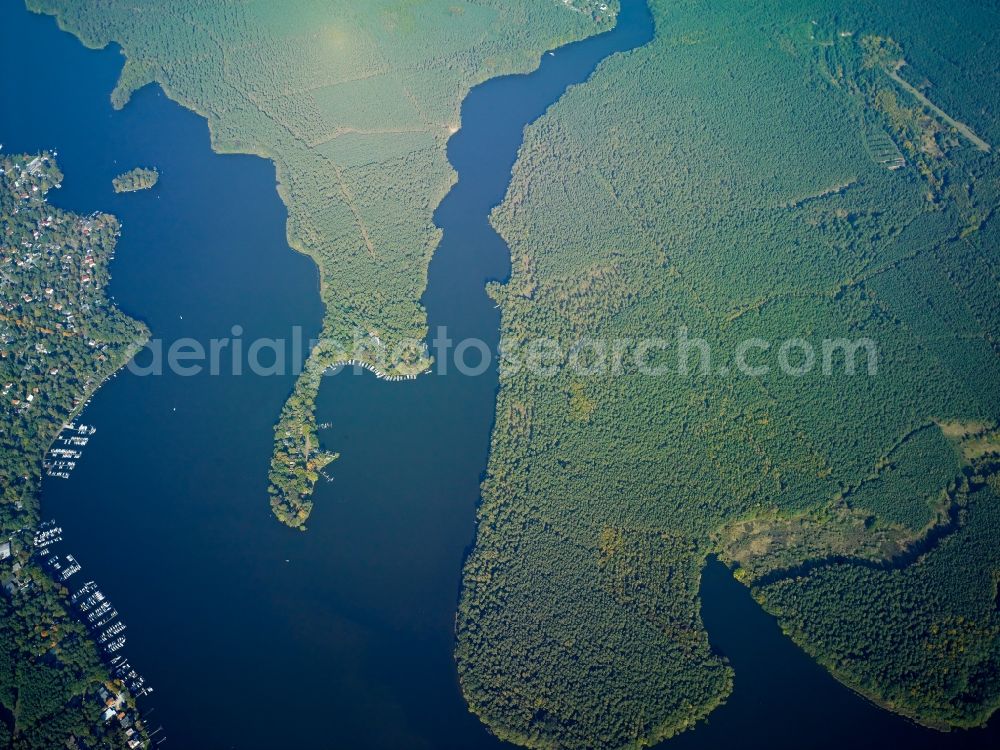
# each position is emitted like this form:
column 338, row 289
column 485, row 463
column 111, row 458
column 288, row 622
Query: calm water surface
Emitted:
column 256, row 636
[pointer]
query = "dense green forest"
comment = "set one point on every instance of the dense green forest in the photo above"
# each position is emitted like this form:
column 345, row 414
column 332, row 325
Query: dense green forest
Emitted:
column 50, row 675
column 354, row 102
column 140, row 178
column 923, row 639
column 60, row 338
column 762, row 171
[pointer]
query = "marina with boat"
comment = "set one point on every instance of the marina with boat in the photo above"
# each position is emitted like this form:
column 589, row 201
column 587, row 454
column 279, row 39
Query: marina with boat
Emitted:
column 66, row 450
column 90, row 605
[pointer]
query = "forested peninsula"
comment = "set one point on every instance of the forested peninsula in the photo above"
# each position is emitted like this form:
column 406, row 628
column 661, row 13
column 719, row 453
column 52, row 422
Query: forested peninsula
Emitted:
column 788, row 171
column 60, row 338
column 354, row 103
column 759, row 173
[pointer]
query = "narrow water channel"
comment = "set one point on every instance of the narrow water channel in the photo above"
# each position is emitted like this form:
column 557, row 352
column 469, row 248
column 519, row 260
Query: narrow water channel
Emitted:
column 253, row 635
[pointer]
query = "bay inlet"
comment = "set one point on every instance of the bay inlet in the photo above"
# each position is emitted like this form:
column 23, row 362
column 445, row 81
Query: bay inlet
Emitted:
column 255, row 635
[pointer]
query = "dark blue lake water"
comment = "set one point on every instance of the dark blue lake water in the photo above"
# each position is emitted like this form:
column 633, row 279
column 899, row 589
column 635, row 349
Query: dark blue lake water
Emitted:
column 256, row 636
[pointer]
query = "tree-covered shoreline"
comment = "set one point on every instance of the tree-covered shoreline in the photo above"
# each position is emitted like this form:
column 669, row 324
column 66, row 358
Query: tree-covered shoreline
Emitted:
column 60, row 339
column 354, row 103
column 140, row 178
column 756, row 173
